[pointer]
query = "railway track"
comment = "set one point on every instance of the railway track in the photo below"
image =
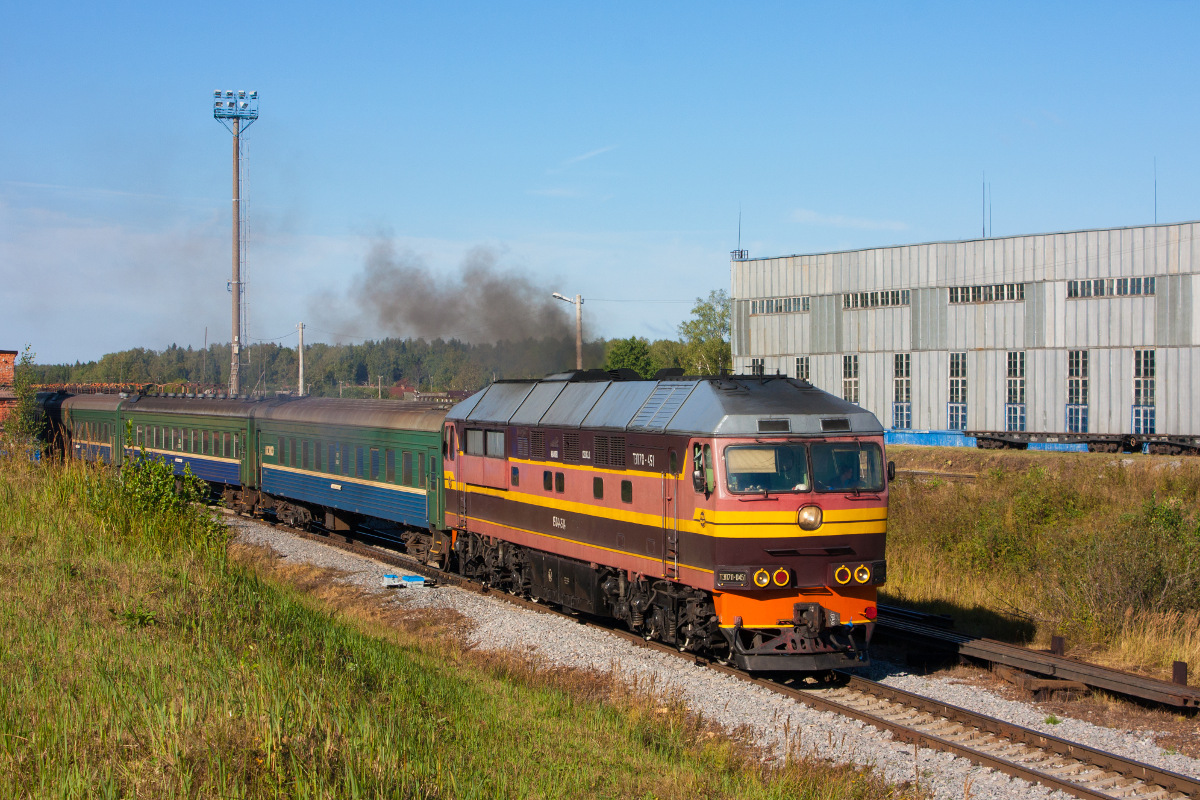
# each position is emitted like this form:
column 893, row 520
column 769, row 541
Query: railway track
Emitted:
column 1020, row 752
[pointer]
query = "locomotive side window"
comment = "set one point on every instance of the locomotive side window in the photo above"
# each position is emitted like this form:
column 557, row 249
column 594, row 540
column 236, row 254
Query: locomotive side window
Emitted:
column 547, row 480
column 474, row 442
column 626, row 491
column 598, row 488
column 767, row 468
column 515, row 480
column 448, row 445
column 495, row 444
column 847, row 467
column 560, row 483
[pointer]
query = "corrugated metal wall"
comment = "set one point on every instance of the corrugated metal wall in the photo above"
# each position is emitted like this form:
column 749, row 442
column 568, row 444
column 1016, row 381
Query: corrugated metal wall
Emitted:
column 1045, row 325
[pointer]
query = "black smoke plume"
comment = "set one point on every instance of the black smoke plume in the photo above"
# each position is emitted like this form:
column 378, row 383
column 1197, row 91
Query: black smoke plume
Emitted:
column 401, row 296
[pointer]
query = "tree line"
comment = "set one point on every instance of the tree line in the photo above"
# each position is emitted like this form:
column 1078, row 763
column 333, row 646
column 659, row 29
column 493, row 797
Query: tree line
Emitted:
column 437, row 365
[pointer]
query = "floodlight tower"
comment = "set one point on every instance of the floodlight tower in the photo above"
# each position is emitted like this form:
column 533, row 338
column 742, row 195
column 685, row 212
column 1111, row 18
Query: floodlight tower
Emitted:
column 230, row 108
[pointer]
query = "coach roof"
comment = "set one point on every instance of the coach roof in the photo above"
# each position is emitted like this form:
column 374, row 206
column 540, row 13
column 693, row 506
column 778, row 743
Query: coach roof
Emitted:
column 725, row 406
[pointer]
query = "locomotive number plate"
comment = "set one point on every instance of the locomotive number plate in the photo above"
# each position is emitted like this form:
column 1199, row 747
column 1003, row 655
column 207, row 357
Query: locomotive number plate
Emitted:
column 731, row 578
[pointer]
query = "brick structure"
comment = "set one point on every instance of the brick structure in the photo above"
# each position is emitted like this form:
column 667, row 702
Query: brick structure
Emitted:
column 8, row 399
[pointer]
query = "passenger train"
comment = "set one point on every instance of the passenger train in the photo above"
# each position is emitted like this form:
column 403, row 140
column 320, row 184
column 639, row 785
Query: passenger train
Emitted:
column 743, row 517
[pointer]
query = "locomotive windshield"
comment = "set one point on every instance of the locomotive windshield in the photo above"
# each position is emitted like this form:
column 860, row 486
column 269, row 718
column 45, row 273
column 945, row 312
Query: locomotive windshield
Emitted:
column 767, row 468
column 847, row 467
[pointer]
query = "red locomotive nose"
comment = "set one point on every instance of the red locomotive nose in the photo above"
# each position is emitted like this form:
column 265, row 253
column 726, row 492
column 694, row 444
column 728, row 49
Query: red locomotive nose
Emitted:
column 870, row 611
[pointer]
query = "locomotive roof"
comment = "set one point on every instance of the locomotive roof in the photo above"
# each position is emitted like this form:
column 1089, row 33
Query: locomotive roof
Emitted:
column 724, row 406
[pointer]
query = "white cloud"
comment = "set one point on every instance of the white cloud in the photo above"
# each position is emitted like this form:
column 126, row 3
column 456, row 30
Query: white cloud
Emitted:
column 805, row 216
column 590, row 154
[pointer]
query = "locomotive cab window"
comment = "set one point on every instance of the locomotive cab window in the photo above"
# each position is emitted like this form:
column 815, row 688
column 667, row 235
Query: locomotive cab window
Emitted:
column 560, row 483
column 626, row 491
column 548, row 480
column 773, row 469
column 847, row 467
column 598, row 488
column 516, row 477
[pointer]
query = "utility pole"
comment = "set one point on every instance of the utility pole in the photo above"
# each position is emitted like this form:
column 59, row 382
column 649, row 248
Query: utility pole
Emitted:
column 380, row 387
column 578, row 301
column 302, row 359
column 230, row 108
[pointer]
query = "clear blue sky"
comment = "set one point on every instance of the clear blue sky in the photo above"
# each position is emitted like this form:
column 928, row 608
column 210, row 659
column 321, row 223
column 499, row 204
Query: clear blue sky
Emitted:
column 602, row 149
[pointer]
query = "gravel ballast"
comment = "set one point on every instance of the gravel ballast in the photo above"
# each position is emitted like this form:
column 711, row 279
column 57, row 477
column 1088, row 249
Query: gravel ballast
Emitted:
column 556, row 640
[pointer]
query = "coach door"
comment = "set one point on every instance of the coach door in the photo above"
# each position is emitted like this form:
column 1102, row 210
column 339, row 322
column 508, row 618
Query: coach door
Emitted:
column 670, row 512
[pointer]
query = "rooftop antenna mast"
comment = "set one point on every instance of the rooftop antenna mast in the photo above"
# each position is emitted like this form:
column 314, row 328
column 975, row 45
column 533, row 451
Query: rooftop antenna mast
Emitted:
column 1156, row 190
column 231, row 109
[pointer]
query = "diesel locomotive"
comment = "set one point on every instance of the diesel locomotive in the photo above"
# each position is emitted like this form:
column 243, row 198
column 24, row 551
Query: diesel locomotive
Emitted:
column 739, row 516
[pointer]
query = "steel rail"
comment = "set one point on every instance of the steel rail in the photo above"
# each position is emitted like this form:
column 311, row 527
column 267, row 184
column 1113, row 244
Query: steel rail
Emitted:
column 1019, row 752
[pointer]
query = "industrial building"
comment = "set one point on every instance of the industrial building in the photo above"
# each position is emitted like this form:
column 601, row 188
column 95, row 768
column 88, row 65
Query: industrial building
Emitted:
column 8, row 398
column 1081, row 332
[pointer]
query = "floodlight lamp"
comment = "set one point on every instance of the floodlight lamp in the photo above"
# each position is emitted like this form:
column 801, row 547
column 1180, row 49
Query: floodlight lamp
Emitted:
column 558, row 296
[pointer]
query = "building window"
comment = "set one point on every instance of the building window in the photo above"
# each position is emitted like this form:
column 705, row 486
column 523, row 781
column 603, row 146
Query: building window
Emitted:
column 892, row 297
column 1143, row 391
column 957, row 407
column 902, row 391
column 989, row 293
column 757, row 366
column 802, row 368
column 1110, row 287
column 1014, row 406
column 780, row 305
column 850, row 379
column 1077, row 391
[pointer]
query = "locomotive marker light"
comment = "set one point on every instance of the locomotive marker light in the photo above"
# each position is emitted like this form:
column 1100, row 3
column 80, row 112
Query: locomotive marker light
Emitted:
column 782, row 577
column 578, row 301
column 231, row 112
column 809, row 518
column 862, row 573
column 842, row 575
column 762, row 579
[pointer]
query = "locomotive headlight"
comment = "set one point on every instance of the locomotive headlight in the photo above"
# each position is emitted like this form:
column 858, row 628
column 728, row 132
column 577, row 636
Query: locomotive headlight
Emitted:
column 862, row 573
column 809, row 518
column 782, row 577
column 762, row 579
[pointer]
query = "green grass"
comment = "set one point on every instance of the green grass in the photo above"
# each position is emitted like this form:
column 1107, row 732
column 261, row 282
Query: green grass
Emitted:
column 138, row 659
column 1102, row 549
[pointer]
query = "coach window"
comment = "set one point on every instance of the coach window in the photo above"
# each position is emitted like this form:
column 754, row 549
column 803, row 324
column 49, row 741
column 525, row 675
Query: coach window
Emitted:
column 515, row 480
column 598, row 488
column 406, row 468
column 295, row 462
column 359, row 459
column 548, row 480
column 560, row 483
column 204, row 442
column 374, row 463
column 389, row 465
column 305, row 447
column 421, row 470
column 626, row 491
column 318, row 449
column 139, row 436
column 345, row 459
